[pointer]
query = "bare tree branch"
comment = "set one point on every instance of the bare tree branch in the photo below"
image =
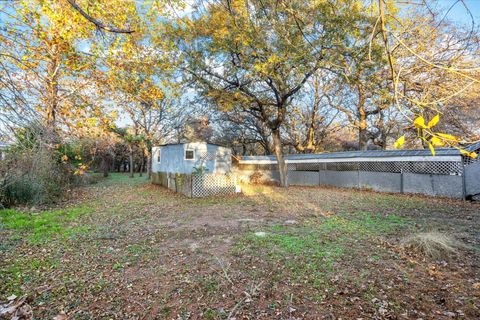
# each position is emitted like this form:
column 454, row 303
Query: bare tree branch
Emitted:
column 96, row 22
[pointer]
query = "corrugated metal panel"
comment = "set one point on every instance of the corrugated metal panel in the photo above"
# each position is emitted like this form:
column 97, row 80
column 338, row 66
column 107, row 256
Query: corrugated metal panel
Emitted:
column 473, row 147
column 360, row 154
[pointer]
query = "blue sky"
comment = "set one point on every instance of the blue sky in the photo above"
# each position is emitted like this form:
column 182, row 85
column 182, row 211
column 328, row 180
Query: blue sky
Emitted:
column 459, row 13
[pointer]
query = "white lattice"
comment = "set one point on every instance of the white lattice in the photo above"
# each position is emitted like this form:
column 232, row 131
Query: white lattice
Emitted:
column 304, row 166
column 469, row 160
column 208, row 184
column 206, row 156
column 425, row 167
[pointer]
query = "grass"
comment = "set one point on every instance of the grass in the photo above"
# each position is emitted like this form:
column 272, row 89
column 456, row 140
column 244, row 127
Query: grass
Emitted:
column 310, row 251
column 361, row 223
column 127, row 249
column 39, row 227
column 117, row 178
column 24, row 271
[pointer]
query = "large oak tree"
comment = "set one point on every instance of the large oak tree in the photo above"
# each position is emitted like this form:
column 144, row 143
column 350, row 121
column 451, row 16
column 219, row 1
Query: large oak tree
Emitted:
column 256, row 55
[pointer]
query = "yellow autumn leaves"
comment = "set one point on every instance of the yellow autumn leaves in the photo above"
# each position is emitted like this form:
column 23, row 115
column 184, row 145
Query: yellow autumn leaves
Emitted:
column 400, row 142
column 433, row 139
column 419, row 122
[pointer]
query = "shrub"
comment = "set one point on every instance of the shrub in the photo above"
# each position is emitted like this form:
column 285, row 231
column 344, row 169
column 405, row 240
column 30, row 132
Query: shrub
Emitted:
column 36, row 169
column 200, row 170
column 33, row 176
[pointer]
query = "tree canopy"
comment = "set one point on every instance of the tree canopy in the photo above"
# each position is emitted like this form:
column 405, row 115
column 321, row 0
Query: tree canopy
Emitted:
column 266, row 76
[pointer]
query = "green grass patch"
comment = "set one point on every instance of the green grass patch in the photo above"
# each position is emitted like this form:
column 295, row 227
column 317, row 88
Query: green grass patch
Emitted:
column 359, row 224
column 120, row 178
column 308, row 253
column 394, row 202
column 208, row 284
column 39, row 227
column 22, row 272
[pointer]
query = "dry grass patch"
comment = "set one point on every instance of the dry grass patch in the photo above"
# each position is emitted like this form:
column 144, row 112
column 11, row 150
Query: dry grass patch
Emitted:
column 433, row 244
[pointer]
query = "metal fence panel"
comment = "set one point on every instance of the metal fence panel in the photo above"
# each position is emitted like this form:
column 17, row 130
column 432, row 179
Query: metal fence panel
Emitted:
column 303, row 178
column 347, row 179
column 472, row 178
column 380, row 181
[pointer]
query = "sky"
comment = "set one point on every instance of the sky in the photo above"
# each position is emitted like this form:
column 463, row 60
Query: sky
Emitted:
column 459, row 14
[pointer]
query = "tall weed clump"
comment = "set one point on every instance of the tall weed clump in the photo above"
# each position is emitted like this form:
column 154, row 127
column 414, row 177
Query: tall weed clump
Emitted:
column 433, row 244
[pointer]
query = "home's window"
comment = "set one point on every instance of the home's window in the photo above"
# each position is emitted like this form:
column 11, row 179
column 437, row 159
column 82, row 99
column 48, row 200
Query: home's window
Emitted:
column 189, row 154
column 158, row 156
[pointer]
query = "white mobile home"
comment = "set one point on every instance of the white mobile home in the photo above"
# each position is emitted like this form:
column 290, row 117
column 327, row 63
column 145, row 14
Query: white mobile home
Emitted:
column 191, row 157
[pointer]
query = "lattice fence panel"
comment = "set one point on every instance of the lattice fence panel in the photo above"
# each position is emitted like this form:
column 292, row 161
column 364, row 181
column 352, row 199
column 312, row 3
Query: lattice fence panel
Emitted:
column 425, row 167
column 342, row 166
column 209, row 184
column 206, row 156
column 380, row 166
column 267, row 167
column 469, row 160
column 304, row 166
column 254, row 167
column 438, row 167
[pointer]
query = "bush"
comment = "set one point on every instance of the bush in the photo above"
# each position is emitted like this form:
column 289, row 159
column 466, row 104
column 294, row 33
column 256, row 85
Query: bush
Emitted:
column 36, row 169
column 40, row 167
column 33, row 176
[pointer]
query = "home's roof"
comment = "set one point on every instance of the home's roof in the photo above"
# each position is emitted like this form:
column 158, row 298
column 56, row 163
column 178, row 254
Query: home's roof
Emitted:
column 369, row 154
column 202, row 142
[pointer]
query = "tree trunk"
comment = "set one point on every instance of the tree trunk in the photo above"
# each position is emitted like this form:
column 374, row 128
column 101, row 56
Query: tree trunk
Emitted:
column 149, row 162
column 104, row 166
column 381, row 128
column 362, row 129
column 130, row 157
column 282, row 168
column 362, row 119
column 310, row 143
column 51, row 87
column 362, row 138
column 140, row 167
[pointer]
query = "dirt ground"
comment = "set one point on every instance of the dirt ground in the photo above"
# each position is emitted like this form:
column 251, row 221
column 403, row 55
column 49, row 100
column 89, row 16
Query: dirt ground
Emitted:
column 126, row 249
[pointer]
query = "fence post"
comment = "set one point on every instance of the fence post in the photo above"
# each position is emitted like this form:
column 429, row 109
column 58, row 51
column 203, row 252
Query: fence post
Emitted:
column 464, row 184
column 319, row 179
column 401, row 180
column 190, row 189
column 358, row 175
